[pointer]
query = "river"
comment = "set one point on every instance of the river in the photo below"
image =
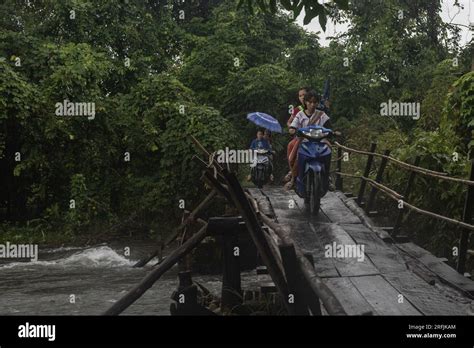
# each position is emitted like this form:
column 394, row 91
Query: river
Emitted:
column 87, row 281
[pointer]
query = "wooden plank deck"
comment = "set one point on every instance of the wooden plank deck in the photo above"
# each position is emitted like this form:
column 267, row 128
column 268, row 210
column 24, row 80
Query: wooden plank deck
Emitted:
column 437, row 266
column 424, row 296
column 386, row 274
column 383, row 297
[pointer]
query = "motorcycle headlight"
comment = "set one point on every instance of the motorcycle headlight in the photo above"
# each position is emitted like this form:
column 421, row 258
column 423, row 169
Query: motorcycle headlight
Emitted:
column 315, row 133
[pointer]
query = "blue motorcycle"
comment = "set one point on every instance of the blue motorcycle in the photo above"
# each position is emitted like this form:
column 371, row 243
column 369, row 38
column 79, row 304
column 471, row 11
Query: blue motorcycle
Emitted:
column 314, row 159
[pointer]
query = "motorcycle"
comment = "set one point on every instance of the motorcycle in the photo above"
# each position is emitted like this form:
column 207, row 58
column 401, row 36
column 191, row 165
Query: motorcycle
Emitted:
column 312, row 182
column 261, row 167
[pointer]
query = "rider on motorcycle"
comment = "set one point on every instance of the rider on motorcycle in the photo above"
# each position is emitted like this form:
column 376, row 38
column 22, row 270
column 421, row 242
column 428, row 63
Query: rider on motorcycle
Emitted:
column 261, row 143
column 308, row 117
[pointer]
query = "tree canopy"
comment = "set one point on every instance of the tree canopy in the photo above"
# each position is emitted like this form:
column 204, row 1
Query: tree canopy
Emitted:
column 158, row 72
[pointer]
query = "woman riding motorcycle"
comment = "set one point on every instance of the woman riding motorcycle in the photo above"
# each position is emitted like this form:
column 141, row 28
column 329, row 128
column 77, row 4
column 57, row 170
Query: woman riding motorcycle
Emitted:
column 310, row 116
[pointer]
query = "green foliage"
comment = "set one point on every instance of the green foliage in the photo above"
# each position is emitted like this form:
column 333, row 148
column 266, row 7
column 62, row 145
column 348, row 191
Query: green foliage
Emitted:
column 208, row 67
column 312, row 8
column 230, row 43
column 137, row 111
column 200, row 76
column 435, row 99
column 436, row 151
column 458, row 113
column 266, row 88
column 153, row 125
column 78, row 215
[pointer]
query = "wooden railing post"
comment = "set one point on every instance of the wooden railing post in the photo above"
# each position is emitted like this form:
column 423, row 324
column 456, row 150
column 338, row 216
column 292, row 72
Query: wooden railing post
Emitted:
column 312, row 299
column 185, row 263
column 288, row 257
column 466, row 217
column 339, row 169
column 185, row 296
column 406, row 194
column 228, row 229
column 363, row 183
column 378, row 179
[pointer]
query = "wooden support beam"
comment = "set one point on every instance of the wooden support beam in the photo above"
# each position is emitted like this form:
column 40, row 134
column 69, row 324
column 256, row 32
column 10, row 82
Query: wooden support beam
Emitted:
column 191, row 216
column 378, row 179
column 312, row 300
column 227, row 228
column 217, row 185
column 368, row 166
column 338, row 183
column 312, row 282
column 185, row 296
column 406, row 195
column 310, row 257
column 401, row 238
column 258, row 236
column 137, row 291
column 158, row 251
column 186, row 299
column 292, row 272
column 203, row 150
column 466, row 217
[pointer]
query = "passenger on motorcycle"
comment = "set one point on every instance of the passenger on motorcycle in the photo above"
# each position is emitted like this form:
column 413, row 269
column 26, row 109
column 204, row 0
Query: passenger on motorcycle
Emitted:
column 301, row 93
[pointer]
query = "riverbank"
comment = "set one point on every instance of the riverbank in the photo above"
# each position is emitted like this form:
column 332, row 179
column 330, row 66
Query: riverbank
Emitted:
column 60, row 237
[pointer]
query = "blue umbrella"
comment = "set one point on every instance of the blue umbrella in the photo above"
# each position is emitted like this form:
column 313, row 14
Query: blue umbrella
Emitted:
column 264, row 120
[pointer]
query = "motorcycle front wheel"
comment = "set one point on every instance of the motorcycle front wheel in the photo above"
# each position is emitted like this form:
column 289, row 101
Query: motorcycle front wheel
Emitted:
column 260, row 177
column 313, row 197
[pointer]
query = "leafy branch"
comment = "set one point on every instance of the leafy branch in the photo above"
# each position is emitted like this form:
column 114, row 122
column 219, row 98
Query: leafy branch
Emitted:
column 312, row 8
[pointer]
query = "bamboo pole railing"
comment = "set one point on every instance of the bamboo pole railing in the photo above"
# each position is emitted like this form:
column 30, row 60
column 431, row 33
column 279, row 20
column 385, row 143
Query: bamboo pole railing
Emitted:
column 396, row 196
column 466, row 223
column 432, row 173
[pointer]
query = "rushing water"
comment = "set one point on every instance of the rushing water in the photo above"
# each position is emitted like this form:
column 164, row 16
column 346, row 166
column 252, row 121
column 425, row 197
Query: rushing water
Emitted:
column 96, row 276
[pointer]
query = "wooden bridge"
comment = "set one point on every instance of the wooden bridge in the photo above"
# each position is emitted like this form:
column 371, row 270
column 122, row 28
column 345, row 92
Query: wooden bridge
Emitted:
column 392, row 279
column 337, row 263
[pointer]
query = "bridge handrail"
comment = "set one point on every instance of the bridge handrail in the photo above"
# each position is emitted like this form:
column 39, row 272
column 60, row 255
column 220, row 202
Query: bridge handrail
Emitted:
column 468, row 210
column 396, row 196
column 411, row 167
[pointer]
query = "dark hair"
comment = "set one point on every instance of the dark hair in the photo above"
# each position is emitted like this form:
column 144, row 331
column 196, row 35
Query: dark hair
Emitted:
column 312, row 94
column 307, row 89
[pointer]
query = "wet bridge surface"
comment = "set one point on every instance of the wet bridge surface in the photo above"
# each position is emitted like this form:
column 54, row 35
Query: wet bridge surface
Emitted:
column 388, row 279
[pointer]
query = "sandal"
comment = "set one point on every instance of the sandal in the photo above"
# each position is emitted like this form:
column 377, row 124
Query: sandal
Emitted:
column 289, row 185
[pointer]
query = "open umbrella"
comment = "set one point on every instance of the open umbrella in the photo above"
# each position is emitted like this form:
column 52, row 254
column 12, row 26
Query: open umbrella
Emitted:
column 264, row 120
